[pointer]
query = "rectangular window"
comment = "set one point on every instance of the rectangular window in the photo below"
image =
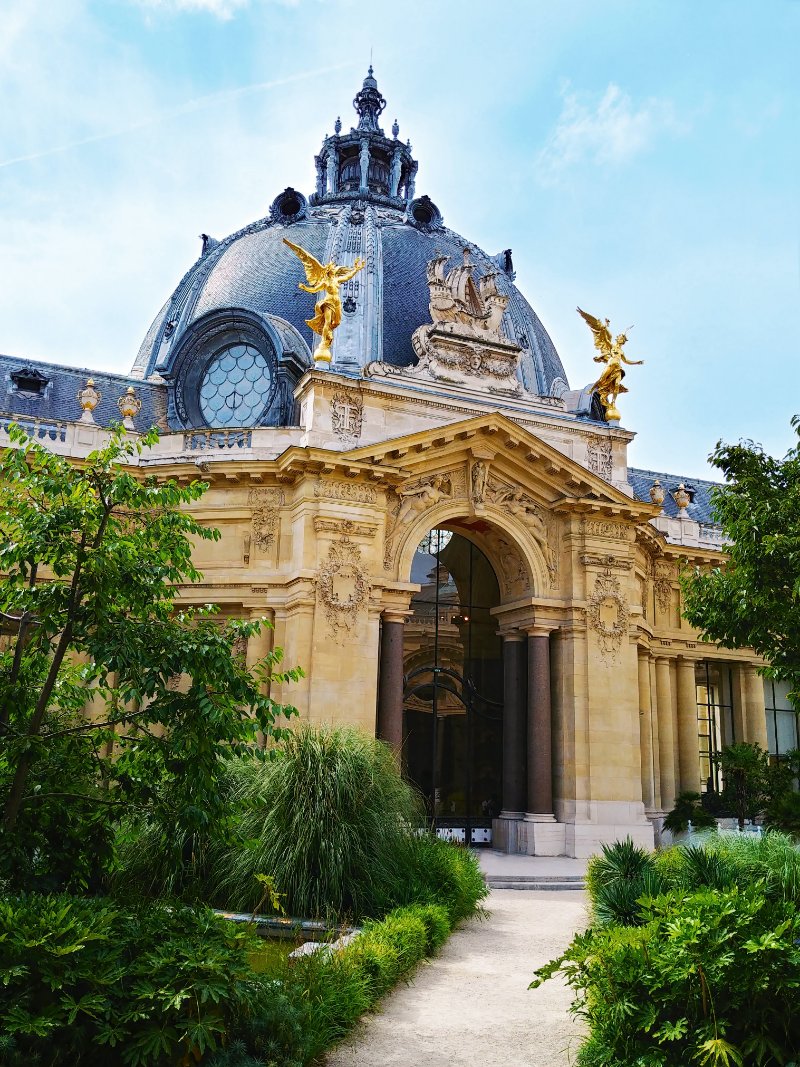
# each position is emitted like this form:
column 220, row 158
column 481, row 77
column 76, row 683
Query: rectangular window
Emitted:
column 782, row 731
column 714, row 719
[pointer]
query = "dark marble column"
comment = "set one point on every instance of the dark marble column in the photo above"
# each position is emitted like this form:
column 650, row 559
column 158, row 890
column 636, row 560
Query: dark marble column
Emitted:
column 540, row 743
column 514, row 741
column 390, row 682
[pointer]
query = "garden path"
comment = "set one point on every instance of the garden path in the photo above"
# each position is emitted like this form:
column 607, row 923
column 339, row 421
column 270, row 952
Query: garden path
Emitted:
column 470, row 1006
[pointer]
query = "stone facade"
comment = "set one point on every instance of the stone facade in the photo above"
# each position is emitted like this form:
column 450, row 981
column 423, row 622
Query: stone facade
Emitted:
column 323, row 507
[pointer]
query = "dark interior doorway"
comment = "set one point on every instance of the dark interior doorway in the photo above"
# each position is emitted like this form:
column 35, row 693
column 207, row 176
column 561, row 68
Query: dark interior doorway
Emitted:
column 453, row 687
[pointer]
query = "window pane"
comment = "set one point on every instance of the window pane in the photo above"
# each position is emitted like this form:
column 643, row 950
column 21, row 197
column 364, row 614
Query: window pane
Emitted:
column 235, row 386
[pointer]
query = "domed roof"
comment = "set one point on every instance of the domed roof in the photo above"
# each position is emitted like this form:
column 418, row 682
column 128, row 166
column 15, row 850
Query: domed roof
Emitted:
column 364, row 205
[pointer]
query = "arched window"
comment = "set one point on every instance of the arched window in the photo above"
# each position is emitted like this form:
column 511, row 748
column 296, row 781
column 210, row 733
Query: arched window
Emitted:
column 235, row 386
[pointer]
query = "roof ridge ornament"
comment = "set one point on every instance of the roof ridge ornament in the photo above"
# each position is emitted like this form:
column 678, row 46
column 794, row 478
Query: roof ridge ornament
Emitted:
column 369, row 104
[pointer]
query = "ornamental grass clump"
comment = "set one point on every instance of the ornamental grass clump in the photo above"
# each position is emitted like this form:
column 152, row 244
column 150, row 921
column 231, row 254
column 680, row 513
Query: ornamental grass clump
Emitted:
column 329, row 819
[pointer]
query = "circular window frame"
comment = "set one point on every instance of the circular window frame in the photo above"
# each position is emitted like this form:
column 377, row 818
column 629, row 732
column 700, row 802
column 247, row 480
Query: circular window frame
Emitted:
column 217, row 354
column 207, row 338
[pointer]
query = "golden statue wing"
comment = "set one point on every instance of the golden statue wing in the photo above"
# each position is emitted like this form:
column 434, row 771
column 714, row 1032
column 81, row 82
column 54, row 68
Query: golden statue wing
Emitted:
column 314, row 269
column 602, row 334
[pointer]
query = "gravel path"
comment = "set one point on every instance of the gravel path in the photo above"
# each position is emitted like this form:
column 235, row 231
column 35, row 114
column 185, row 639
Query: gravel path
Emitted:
column 470, row 1006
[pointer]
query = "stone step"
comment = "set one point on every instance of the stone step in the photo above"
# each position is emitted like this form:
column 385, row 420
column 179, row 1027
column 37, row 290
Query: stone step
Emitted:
column 550, row 882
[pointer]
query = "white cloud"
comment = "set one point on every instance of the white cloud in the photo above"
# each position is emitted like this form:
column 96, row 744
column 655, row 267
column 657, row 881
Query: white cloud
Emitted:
column 606, row 132
column 222, row 9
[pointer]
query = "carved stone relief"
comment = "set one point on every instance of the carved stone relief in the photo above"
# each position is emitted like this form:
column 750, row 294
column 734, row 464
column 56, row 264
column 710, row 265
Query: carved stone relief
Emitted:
column 607, row 613
column 540, row 523
column 478, row 475
column 662, row 586
column 513, row 575
column 353, row 491
column 608, row 562
column 464, row 343
column 344, row 527
column 342, row 587
column 265, row 504
column 605, row 528
column 599, row 456
column 410, row 500
column 347, row 416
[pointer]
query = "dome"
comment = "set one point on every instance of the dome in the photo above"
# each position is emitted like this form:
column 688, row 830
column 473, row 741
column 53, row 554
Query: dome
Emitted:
column 244, row 289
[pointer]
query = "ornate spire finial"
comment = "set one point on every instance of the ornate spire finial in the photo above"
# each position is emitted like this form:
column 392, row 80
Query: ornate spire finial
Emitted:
column 369, row 104
column 337, row 126
column 395, row 129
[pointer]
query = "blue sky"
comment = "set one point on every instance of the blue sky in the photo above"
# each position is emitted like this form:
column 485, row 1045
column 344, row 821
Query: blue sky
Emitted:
column 641, row 159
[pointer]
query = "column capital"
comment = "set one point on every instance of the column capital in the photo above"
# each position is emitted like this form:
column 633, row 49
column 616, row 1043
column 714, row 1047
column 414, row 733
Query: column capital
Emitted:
column 512, row 635
column 541, row 629
column 396, row 615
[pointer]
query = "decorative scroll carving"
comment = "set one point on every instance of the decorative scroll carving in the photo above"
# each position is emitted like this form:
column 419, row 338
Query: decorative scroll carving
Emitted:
column 265, row 504
column 599, row 455
column 353, row 491
column 347, row 416
column 239, row 648
column 607, row 613
column 342, row 586
column 345, row 527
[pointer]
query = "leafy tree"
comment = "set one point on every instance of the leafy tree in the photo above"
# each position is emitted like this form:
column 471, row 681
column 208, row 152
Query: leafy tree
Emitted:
column 92, row 558
column 755, row 600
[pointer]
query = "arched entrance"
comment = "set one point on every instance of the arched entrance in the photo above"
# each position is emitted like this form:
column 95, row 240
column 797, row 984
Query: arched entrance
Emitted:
column 453, row 687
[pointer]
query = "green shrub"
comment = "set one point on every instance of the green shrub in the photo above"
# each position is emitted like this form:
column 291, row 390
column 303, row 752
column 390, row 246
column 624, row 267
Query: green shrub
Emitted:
column 688, row 809
column 436, row 921
column 331, row 821
column 438, row 872
column 336, row 988
column 708, row 978
column 88, row 982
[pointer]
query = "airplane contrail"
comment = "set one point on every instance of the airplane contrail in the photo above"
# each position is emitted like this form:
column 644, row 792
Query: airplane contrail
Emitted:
column 190, row 105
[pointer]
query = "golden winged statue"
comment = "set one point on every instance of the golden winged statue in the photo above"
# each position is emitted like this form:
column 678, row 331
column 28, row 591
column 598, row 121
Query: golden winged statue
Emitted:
column 325, row 279
column 609, row 385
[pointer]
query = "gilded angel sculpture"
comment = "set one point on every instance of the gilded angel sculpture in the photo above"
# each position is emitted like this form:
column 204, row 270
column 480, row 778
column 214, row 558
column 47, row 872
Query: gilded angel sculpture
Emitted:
column 609, row 385
column 325, row 279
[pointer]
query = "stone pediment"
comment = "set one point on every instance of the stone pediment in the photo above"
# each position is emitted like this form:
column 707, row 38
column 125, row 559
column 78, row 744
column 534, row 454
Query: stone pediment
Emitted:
column 503, row 459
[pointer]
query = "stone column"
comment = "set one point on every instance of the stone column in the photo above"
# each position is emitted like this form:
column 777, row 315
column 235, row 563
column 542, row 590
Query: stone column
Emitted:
column 654, row 735
column 514, row 740
column 259, row 646
column 755, row 714
column 688, row 739
column 539, row 732
column 666, row 755
column 389, row 727
column 646, row 731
